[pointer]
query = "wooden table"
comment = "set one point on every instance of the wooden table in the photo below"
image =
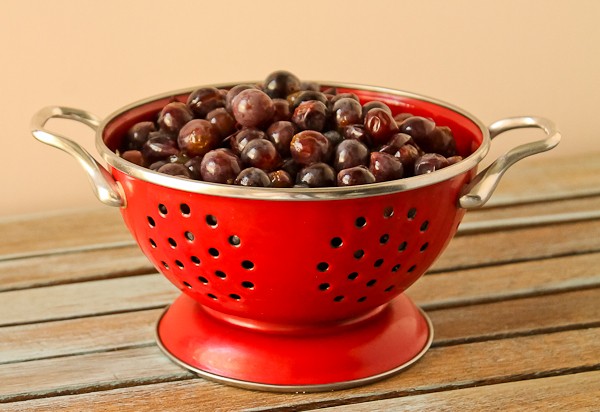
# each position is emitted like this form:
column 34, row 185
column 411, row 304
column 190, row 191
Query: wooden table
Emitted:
column 515, row 303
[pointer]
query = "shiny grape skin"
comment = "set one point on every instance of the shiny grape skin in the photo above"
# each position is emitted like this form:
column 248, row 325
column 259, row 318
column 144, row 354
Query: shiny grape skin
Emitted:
column 194, row 165
column 252, row 108
column 310, row 115
column 309, row 147
column 198, row 137
column 281, row 179
column 234, row 91
column 222, row 121
column 417, row 127
column 159, row 146
column 440, row 140
column 295, row 99
column 261, row 153
column 380, row 125
column 282, row 110
column 133, row 156
column 395, row 143
column 408, row 155
column 430, row 162
column 220, row 166
column 173, row 117
column 253, row 177
column 239, row 140
column 350, row 153
column 204, row 100
column 138, row 134
column 357, row 175
column 385, row 167
column 281, row 83
column 346, row 111
column 357, row 132
column 281, row 134
column 375, row 104
column 316, row 175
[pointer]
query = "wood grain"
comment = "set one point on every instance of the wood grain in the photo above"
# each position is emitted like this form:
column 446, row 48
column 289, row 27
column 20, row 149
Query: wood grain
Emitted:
column 444, row 368
column 577, row 392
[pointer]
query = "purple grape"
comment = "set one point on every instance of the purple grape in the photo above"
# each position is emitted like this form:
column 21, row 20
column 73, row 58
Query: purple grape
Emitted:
column 357, row 175
column 316, row 175
column 253, row 177
column 220, row 166
column 252, row 108
column 385, row 167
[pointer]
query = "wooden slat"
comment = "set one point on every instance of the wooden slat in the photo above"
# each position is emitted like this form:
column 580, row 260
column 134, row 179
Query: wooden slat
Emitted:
column 75, row 336
column 84, row 299
column 73, row 267
column 577, row 392
column 58, row 230
column 441, row 369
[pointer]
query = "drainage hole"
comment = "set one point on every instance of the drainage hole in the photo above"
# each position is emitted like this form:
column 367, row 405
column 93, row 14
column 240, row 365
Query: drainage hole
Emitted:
column 324, row 286
column 353, row 275
column 338, row 298
column 162, row 209
column 213, row 252
column 412, row 268
column 378, row 263
column 211, row 221
column 151, row 221
column 322, row 266
column 185, row 209
column 362, row 299
column 172, row 242
column 360, row 222
column 336, row 242
column 195, row 260
column 189, row 236
column 359, row 254
column 187, row 285
column 247, row 264
column 165, row 265
column 384, row 239
column 179, row 264
column 371, row 282
column 203, row 280
column 424, row 226
column 389, row 288
column 411, row 213
column 152, row 242
column 234, row 240
column 402, row 247
column 396, row 268
column 210, row 295
column 248, row 285
column 235, row 296
column 220, row 274
column 425, row 246
column 388, row 212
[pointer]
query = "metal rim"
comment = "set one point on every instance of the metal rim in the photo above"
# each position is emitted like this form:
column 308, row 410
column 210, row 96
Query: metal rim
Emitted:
column 296, row 388
column 295, row 194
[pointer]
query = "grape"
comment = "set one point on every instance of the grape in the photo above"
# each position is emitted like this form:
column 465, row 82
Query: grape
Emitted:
column 385, row 166
column 253, row 176
column 173, row 117
column 316, row 175
column 252, row 108
column 309, row 147
column 220, row 166
column 357, row 175
column 350, row 153
column 281, row 83
column 261, row 153
column 204, row 100
column 198, row 137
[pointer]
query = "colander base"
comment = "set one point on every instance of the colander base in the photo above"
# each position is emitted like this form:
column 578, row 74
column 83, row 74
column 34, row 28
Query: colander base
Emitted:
column 370, row 351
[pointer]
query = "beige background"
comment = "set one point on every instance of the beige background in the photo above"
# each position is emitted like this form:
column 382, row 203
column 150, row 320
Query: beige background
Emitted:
column 493, row 58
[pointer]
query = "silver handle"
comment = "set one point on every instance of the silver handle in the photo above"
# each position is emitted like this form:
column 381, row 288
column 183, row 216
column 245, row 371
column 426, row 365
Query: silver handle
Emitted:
column 104, row 186
column 479, row 191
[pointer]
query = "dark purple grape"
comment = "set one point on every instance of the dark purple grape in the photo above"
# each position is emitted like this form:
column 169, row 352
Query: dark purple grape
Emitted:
column 309, row 147
column 346, row 111
column 313, row 86
column 295, row 99
column 310, row 115
column 291, row 167
column 316, row 175
column 454, row 159
column 439, row 140
column 395, row 143
column 417, row 127
column 254, row 177
column 234, row 91
column 158, row 147
column 281, row 83
column 282, row 110
column 380, row 124
column 138, row 134
column 357, row 132
column 198, row 137
column 133, row 156
column 222, row 121
column 358, row 175
column 334, row 137
column 430, row 162
column 193, row 165
column 204, row 100
column 239, row 140
column 281, row 134
column 173, row 117
column 375, row 104
column 220, row 166
column 261, row 153
column 178, row 158
column 408, row 155
column 174, row 169
column 252, row 108
column 281, row 178
column 350, row 153
column 331, row 91
column 401, row 117
column 385, row 167
column 158, row 164
column 339, row 96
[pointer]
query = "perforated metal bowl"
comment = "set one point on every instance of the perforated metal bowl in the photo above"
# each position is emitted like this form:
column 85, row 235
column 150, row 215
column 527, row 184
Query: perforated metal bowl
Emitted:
column 295, row 289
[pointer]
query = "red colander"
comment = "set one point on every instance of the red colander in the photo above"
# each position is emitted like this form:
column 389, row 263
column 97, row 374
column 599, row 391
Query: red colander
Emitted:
column 295, row 289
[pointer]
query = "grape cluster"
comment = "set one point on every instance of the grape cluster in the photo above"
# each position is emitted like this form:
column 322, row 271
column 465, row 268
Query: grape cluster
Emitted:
column 287, row 133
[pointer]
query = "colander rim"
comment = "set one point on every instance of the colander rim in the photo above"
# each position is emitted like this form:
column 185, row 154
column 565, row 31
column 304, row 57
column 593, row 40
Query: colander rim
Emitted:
column 294, row 194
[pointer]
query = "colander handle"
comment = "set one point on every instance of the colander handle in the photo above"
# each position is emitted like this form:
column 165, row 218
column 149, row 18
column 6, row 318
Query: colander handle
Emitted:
column 479, row 191
column 104, row 186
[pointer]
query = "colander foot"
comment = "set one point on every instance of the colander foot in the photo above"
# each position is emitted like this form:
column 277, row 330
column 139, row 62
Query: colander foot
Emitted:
column 216, row 350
